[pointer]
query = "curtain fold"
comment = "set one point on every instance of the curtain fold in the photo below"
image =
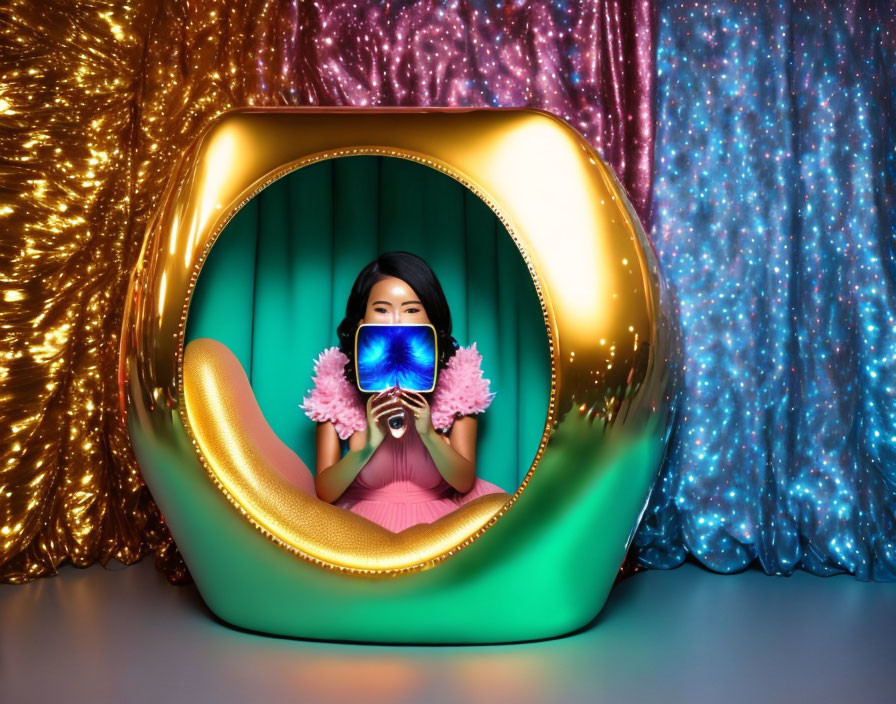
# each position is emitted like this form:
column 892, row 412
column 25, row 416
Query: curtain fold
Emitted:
column 775, row 218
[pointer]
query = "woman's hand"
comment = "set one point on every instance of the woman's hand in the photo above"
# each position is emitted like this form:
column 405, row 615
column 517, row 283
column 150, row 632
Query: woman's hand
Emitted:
column 380, row 407
column 419, row 408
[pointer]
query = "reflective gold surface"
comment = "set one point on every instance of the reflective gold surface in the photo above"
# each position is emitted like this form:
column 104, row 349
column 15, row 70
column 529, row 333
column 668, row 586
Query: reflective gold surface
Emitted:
column 594, row 273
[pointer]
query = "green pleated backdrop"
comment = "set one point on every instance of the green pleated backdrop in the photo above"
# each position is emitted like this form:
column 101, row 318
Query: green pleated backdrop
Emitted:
column 276, row 281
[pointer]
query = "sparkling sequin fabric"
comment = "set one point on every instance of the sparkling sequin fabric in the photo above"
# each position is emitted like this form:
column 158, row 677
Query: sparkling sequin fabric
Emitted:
column 775, row 218
column 98, row 100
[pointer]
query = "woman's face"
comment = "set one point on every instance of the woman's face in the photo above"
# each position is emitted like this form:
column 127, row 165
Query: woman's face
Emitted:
column 392, row 301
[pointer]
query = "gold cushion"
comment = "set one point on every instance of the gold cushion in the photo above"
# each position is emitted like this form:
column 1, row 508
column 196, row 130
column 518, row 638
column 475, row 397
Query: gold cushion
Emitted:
column 274, row 489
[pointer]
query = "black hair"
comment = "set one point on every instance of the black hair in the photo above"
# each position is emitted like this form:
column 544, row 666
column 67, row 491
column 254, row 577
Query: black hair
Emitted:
column 417, row 274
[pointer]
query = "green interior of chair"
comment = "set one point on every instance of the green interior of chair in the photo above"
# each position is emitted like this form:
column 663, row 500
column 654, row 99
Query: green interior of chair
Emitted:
column 275, row 285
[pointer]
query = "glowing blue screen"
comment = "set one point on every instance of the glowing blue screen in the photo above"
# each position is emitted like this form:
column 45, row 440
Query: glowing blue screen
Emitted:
column 396, row 355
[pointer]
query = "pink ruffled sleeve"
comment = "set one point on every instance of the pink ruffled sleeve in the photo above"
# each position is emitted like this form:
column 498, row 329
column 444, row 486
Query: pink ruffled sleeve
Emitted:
column 460, row 390
column 333, row 398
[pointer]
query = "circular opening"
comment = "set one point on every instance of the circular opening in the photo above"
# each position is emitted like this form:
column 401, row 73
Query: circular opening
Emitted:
column 274, row 287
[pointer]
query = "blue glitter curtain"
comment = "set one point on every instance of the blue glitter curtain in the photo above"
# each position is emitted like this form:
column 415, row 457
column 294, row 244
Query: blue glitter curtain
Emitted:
column 775, row 218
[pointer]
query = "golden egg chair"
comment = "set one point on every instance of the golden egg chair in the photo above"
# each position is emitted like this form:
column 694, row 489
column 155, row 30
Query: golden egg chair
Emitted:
column 265, row 553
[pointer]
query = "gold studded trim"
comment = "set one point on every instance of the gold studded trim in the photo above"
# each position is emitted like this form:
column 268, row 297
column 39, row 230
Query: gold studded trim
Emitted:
column 181, row 329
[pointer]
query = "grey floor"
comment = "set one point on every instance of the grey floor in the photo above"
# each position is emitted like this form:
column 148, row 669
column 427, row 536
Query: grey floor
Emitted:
column 124, row 635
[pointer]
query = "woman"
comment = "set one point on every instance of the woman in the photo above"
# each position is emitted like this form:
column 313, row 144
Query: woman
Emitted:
column 428, row 469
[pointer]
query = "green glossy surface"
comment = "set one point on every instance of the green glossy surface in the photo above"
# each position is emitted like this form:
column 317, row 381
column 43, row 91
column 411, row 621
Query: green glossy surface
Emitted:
column 544, row 569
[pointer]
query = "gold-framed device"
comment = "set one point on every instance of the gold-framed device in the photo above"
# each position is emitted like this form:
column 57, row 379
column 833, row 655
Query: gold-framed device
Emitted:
column 417, row 357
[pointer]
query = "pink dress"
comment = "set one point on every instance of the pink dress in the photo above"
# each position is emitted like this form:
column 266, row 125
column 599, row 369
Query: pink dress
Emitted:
column 400, row 485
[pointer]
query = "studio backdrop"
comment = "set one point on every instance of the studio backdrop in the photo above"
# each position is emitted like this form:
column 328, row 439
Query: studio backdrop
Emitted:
column 756, row 142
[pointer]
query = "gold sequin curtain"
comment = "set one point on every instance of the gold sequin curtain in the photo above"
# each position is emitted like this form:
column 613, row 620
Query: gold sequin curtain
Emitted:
column 77, row 177
column 97, row 101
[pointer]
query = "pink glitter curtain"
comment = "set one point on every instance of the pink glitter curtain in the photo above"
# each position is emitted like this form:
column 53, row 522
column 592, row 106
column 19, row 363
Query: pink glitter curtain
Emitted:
column 123, row 88
column 591, row 63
